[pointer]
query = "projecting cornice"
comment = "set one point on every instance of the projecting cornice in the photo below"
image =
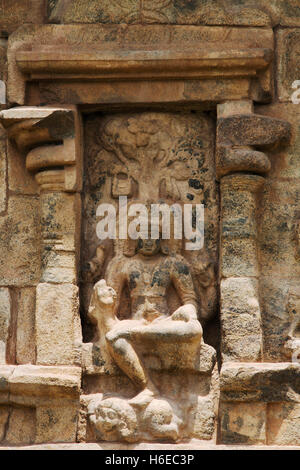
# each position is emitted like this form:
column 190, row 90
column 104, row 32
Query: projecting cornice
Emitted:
column 46, row 63
column 138, row 64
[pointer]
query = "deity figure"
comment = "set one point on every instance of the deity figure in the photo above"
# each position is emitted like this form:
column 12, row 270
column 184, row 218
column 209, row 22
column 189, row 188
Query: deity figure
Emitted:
column 148, row 275
column 146, row 358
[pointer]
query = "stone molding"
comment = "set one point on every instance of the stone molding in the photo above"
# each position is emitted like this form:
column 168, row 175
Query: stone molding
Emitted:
column 140, row 64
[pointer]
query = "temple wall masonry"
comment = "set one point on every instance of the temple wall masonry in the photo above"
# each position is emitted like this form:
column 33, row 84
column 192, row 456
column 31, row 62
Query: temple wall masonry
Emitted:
column 148, row 341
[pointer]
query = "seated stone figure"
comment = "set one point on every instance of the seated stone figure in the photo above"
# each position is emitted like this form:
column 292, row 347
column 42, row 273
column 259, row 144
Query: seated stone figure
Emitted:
column 148, row 275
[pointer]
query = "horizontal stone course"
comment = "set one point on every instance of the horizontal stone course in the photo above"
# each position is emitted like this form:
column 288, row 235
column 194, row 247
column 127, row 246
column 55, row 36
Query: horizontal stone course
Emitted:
column 260, row 382
column 215, row 12
column 38, row 382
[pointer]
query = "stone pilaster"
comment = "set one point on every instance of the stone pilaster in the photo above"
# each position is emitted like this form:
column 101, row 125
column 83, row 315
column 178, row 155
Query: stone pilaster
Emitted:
column 240, row 169
column 240, row 310
column 51, row 140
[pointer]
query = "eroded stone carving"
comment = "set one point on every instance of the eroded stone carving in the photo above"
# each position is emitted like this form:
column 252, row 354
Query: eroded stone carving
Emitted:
column 147, row 305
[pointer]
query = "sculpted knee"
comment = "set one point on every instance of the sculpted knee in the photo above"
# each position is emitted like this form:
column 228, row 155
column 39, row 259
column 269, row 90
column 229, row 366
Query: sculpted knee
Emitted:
column 110, row 337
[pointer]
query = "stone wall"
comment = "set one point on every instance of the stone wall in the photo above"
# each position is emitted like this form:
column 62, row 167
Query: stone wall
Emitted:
column 258, row 286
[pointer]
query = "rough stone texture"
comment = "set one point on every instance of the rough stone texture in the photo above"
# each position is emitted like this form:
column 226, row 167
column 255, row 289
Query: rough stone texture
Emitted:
column 157, row 334
column 4, row 415
column 20, row 180
column 288, row 51
column 56, row 323
column 29, row 52
column 261, row 382
column 3, row 171
column 215, row 12
column 250, row 129
column 25, row 340
column 194, row 444
column 19, row 242
column 3, row 59
column 278, row 236
column 3, row 72
column 36, row 385
column 240, row 320
column 14, row 13
column 93, row 11
column 51, row 423
column 60, row 223
column 243, row 422
column 284, row 424
column 254, row 403
column 5, row 316
column 3, row 138
column 21, row 426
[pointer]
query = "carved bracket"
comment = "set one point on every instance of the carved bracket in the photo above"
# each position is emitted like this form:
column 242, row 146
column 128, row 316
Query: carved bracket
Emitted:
column 48, row 137
column 240, row 133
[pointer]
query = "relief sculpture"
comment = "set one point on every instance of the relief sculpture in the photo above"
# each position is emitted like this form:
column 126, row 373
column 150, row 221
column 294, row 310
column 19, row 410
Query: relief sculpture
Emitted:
column 148, row 296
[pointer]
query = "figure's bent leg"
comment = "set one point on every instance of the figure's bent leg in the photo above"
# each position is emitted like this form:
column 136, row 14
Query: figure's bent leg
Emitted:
column 170, row 330
column 127, row 359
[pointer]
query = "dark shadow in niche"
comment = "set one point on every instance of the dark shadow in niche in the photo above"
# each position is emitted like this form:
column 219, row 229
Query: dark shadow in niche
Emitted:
column 96, row 179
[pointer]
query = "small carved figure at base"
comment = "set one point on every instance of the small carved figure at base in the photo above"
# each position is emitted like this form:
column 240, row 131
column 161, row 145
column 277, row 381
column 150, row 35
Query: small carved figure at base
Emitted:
column 113, row 419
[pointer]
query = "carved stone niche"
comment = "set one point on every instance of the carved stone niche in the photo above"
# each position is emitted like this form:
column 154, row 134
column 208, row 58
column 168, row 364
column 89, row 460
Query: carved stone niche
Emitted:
column 149, row 309
column 149, row 157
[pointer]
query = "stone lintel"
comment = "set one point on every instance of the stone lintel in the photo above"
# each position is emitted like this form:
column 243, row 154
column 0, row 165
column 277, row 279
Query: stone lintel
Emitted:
column 260, row 382
column 196, row 58
column 29, row 384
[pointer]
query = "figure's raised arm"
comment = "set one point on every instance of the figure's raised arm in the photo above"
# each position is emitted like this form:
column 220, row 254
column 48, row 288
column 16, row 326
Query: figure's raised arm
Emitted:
column 115, row 278
column 183, row 283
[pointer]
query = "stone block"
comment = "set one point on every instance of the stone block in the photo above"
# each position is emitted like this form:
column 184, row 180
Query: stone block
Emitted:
column 25, row 345
column 252, row 129
column 288, row 68
column 3, row 171
column 260, row 382
column 289, row 12
column 240, row 297
column 239, row 258
column 57, row 423
column 141, row 40
column 5, row 373
column 21, row 426
column 93, row 11
column 14, row 13
column 243, row 423
column 61, row 219
column 59, row 267
column 285, row 161
column 34, row 383
column 19, row 243
column 56, row 323
column 278, row 218
column 284, row 424
column 20, row 180
column 203, row 418
column 4, row 415
column 3, row 59
column 5, row 316
column 275, row 317
column 240, row 320
column 201, row 12
column 238, row 211
column 3, row 74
